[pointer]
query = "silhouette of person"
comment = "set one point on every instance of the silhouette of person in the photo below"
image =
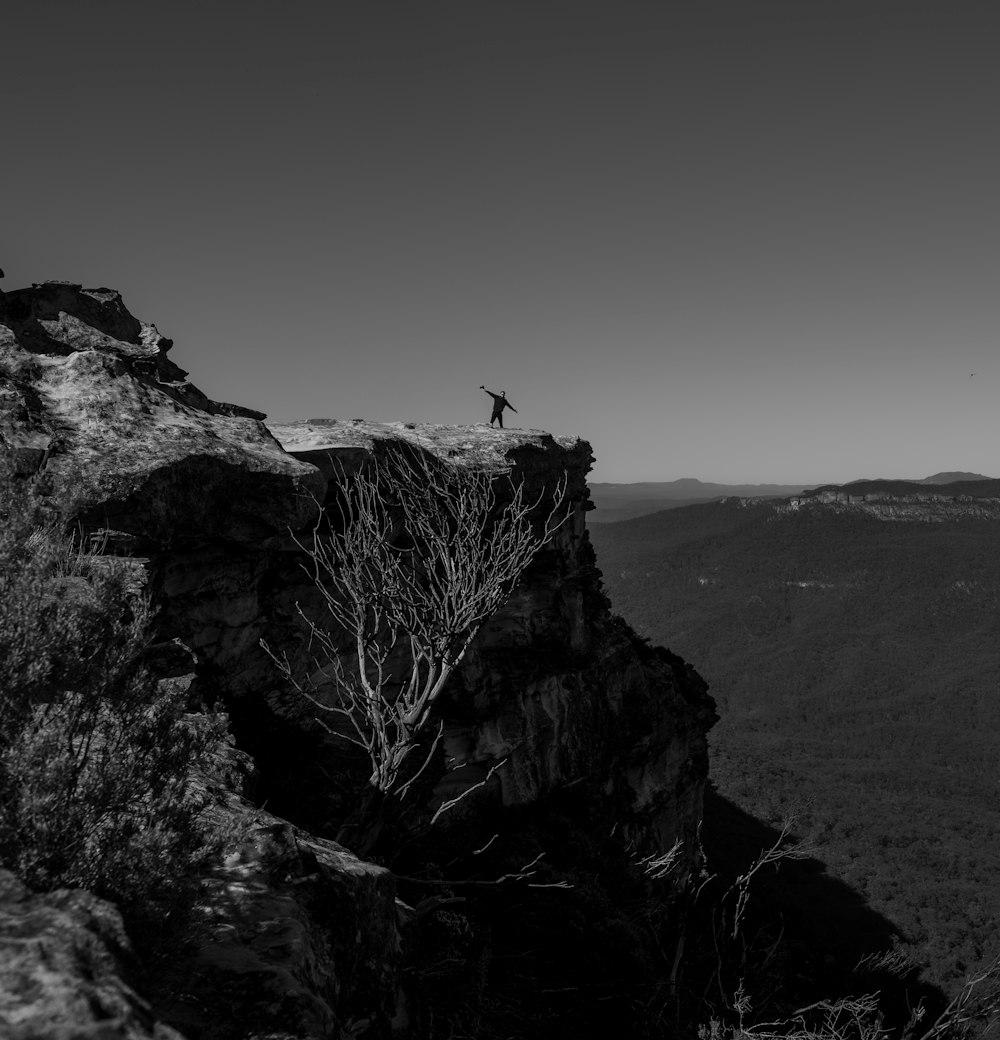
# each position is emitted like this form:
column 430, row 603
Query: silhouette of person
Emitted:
column 500, row 402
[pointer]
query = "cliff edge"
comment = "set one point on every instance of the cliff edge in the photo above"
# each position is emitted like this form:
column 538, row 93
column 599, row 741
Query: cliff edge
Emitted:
column 592, row 725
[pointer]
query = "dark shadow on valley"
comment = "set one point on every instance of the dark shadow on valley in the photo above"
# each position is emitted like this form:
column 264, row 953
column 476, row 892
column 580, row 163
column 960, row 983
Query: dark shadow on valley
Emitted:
column 827, row 928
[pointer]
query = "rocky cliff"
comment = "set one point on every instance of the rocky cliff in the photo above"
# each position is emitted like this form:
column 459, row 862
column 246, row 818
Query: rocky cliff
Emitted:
column 214, row 505
column 899, row 500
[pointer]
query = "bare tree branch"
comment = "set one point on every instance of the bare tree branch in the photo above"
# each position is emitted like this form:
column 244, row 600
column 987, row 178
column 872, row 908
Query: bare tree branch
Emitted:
column 420, row 554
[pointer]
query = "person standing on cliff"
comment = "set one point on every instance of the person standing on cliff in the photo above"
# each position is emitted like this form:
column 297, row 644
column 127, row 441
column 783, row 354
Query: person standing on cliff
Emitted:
column 500, row 402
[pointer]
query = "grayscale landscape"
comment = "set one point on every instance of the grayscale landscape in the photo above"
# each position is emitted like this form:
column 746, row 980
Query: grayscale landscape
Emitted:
column 499, row 510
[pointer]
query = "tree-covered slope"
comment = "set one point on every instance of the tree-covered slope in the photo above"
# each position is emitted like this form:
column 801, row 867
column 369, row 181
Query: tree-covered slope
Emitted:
column 856, row 665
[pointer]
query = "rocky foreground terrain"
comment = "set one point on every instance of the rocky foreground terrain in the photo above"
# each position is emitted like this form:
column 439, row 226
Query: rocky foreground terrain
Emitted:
column 603, row 736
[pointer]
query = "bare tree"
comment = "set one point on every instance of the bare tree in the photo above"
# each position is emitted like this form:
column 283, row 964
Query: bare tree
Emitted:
column 424, row 553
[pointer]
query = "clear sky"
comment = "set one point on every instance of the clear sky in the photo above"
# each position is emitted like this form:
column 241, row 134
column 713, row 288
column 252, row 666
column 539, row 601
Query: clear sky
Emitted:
column 740, row 240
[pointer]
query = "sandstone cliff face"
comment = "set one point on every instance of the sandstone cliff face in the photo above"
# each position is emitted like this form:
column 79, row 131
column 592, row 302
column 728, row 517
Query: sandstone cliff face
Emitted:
column 553, row 685
column 212, row 502
column 902, row 501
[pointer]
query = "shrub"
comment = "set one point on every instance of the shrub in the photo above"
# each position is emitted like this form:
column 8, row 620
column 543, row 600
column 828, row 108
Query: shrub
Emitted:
column 95, row 755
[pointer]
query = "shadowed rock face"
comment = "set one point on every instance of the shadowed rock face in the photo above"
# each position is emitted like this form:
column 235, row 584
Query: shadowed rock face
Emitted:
column 62, row 967
column 213, row 502
column 296, row 938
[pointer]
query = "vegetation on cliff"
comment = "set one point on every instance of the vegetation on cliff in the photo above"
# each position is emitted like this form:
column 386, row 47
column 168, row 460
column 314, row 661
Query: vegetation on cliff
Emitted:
column 96, row 756
column 854, row 661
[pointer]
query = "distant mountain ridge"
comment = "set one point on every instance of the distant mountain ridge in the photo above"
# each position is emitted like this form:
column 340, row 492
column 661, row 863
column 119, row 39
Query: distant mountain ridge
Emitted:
column 692, row 487
column 614, row 502
column 952, row 478
column 624, row 501
column 925, row 500
column 936, row 479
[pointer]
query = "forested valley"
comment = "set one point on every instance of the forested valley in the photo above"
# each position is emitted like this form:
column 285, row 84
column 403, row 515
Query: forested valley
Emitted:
column 856, row 667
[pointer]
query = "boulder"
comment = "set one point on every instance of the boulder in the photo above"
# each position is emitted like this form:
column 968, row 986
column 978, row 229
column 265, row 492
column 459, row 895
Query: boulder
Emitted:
column 63, row 960
column 296, row 938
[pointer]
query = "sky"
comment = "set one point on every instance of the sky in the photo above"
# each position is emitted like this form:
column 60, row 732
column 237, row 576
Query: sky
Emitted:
column 739, row 240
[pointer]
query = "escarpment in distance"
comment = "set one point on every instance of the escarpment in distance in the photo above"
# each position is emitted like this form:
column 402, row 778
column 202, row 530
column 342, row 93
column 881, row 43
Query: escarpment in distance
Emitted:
column 215, row 505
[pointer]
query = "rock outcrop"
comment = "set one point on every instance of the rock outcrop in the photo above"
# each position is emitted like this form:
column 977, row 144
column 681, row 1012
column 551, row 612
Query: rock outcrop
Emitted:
column 905, row 501
column 296, row 938
column 553, row 685
column 63, row 965
column 216, row 504
column 89, row 396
